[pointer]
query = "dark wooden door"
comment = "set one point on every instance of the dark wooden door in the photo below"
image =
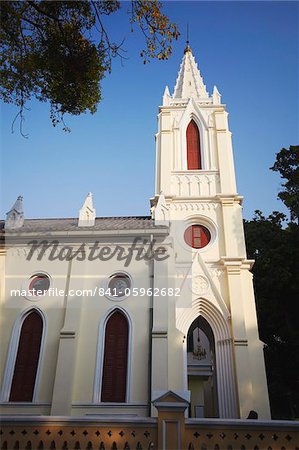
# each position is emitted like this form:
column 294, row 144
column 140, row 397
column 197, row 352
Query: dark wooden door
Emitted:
column 114, row 379
column 193, row 147
column 26, row 364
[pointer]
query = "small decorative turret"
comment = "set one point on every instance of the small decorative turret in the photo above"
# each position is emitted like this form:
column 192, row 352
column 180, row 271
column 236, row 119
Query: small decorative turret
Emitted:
column 166, row 97
column 161, row 211
column 15, row 217
column 87, row 213
column 216, row 96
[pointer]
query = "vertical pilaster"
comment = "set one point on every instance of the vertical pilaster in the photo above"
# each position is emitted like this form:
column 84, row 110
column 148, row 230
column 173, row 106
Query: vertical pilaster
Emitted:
column 64, row 377
column 165, row 151
column 62, row 392
column 258, row 372
column 241, row 351
column 160, row 330
column 225, row 154
column 233, row 226
column 227, row 401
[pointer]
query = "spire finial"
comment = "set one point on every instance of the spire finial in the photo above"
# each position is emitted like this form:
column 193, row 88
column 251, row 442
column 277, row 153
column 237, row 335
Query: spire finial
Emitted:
column 188, row 48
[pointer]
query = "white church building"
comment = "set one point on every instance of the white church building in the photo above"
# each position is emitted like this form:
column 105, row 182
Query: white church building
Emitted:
column 102, row 316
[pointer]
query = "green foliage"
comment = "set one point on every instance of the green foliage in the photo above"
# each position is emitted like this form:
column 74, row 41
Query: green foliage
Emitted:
column 287, row 164
column 59, row 51
column 276, row 253
column 276, row 262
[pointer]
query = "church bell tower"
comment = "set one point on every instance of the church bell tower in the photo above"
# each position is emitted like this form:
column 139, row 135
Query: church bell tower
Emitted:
column 212, row 329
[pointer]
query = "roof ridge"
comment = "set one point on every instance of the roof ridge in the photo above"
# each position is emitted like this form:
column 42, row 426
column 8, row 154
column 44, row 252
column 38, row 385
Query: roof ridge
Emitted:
column 76, row 218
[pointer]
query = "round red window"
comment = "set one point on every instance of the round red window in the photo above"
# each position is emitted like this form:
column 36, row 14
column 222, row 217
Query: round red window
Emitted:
column 197, row 236
column 39, row 284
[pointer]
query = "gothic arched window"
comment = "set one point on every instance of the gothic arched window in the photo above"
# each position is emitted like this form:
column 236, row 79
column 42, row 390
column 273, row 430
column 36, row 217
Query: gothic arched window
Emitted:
column 26, row 364
column 114, row 381
column 193, row 147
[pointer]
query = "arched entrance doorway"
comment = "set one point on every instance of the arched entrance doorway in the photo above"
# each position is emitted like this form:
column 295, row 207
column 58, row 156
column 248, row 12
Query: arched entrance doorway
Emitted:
column 201, row 369
column 222, row 346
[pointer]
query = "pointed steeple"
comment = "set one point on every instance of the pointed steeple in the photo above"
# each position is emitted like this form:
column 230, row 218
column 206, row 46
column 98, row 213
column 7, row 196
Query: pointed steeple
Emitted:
column 15, row 216
column 189, row 82
column 87, row 213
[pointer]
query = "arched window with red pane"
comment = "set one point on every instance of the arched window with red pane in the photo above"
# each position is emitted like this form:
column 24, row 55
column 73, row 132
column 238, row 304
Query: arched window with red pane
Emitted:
column 27, row 359
column 114, row 379
column 193, row 147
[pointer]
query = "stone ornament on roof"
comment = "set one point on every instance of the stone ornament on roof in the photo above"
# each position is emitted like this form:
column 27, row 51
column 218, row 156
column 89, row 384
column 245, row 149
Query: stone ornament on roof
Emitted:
column 15, row 216
column 87, row 213
column 216, row 96
column 161, row 211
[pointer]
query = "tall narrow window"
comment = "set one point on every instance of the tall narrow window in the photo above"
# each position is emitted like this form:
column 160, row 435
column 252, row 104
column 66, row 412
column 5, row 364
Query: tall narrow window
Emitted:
column 193, row 147
column 115, row 363
column 23, row 381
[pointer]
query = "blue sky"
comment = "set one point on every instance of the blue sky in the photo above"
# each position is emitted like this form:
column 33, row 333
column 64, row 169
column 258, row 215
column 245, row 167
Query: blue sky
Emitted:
column 248, row 49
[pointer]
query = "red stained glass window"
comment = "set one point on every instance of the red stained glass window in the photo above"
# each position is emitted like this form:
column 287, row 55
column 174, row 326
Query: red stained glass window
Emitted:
column 115, row 359
column 193, row 147
column 197, row 236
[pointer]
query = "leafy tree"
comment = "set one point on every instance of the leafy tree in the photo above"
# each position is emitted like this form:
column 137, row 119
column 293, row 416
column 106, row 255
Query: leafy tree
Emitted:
column 59, row 51
column 275, row 248
column 287, row 164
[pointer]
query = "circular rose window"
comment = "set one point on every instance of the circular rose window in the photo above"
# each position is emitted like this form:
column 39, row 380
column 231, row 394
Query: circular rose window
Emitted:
column 119, row 285
column 39, row 284
column 197, row 236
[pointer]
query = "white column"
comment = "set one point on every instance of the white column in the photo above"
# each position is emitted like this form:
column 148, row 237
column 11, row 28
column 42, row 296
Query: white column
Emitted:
column 165, row 144
column 233, row 227
column 241, row 352
column 65, row 368
column 227, row 401
column 160, row 331
column 225, row 154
